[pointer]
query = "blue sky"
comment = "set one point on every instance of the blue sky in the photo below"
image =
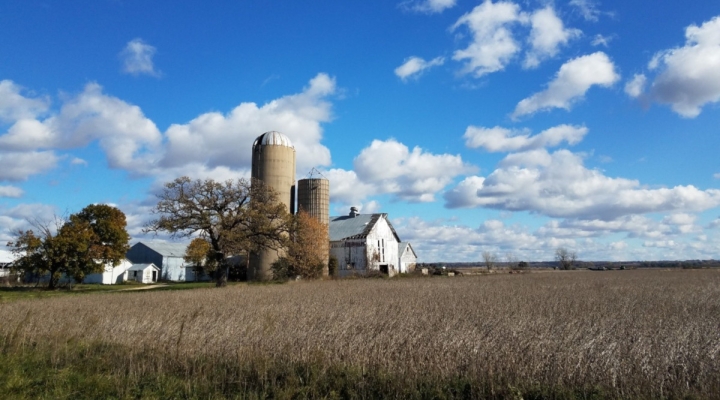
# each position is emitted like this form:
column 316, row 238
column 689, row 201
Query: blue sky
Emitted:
column 510, row 127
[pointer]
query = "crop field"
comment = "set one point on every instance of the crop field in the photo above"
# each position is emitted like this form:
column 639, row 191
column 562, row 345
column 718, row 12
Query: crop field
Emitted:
column 576, row 334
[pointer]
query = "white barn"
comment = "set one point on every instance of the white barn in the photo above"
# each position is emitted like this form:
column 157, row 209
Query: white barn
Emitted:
column 364, row 242
column 166, row 256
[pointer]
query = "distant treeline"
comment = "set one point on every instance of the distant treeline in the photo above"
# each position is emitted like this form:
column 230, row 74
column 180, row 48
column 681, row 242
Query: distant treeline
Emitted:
column 598, row 265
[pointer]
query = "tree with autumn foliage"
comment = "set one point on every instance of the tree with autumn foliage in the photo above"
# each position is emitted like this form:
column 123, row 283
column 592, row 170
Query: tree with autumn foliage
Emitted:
column 81, row 245
column 199, row 255
column 234, row 217
column 307, row 249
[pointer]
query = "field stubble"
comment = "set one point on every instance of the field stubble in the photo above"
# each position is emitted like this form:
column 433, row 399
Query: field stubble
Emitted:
column 621, row 334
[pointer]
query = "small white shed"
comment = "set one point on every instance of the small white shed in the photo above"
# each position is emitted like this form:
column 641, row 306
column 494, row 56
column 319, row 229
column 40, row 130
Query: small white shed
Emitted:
column 143, row 273
column 408, row 258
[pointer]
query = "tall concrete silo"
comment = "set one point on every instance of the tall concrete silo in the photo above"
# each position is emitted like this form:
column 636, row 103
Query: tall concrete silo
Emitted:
column 314, row 198
column 273, row 162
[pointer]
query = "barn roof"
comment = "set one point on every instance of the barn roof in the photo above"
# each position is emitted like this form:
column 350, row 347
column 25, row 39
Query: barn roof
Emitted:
column 402, row 246
column 142, row 267
column 166, row 249
column 357, row 227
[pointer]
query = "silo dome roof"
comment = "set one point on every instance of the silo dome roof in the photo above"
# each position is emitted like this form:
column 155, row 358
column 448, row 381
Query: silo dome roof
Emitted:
column 273, row 138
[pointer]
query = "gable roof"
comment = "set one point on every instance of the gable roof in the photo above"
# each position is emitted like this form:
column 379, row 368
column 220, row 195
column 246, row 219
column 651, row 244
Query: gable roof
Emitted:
column 166, row 249
column 402, row 246
column 346, row 227
column 142, row 267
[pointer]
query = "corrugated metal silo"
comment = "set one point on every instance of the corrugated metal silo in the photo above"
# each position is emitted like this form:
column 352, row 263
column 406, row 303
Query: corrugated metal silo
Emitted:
column 314, row 198
column 273, row 162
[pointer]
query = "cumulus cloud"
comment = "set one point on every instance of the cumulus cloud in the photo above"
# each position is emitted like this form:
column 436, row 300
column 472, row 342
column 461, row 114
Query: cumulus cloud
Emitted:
column 587, row 8
column 559, row 185
column 493, row 45
column 390, row 167
column 10, row 191
column 124, row 133
column 571, row 82
column 689, row 76
column 548, row 33
column 15, row 106
column 211, row 139
column 137, row 58
column 500, row 139
column 18, row 166
column 412, row 175
column 428, row 6
column 636, row 86
column 205, row 146
column 413, row 67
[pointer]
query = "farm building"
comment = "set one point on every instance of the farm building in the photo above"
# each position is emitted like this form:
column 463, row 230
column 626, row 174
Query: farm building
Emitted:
column 143, row 273
column 166, row 256
column 111, row 275
column 364, row 242
column 408, row 258
column 5, row 268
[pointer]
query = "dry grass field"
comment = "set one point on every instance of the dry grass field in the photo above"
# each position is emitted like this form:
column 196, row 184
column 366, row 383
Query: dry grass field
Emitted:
column 577, row 334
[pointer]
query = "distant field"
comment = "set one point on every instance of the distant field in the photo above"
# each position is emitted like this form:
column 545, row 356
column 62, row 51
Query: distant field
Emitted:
column 577, row 334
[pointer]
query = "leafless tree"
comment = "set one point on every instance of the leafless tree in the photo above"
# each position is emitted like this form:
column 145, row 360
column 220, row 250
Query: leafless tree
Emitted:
column 565, row 257
column 490, row 259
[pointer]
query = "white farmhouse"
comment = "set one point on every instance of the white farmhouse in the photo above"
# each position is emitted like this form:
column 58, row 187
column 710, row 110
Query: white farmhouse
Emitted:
column 364, row 242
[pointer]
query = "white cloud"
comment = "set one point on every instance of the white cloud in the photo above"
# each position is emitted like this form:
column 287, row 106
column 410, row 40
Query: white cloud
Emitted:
column 78, row 161
column 371, row 207
column 547, row 34
column 600, row 40
column 411, row 175
column 390, row 167
column 413, row 67
column 636, row 86
column 347, row 188
column 10, row 191
column 211, row 139
column 205, row 146
column 587, row 8
column 690, row 75
column 500, row 139
column 493, row 45
column 18, row 166
column 428, row 6
column 572, row 81
column 559, row 185
column 14, row 106
column 137, row 58
column 717, row 175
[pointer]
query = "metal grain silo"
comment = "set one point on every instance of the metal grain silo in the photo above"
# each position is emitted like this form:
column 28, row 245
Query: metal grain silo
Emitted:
column 273, row 162
column 314, row 198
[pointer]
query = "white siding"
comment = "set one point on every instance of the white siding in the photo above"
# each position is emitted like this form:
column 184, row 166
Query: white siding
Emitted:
column 360, row 255
column 111, row 275
column 407, row 261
